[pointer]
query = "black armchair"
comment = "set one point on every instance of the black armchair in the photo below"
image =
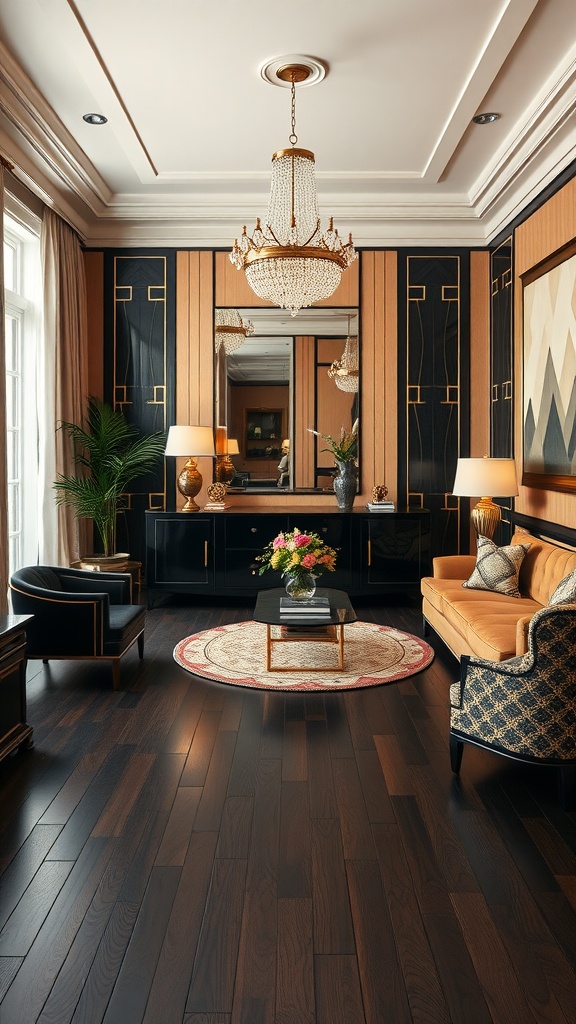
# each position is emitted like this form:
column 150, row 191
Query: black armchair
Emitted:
column 78, row 614
column 525, row 707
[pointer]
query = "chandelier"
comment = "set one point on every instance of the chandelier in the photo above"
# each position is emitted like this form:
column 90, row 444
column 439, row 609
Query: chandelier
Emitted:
column 344, row 371
column 230, row 330
column 291, row 261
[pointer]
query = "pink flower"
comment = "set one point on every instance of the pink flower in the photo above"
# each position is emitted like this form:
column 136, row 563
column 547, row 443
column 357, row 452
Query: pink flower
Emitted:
column 279, row 542
column 301, row 540
column 309, row 560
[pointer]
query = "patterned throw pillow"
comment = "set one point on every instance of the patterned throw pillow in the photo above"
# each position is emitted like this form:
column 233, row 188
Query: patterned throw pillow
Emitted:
column 497, row 568
column 565, row 592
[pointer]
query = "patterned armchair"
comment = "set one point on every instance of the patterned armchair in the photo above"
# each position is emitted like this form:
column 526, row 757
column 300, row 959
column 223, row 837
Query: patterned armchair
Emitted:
column 524, row 708
column 78, row 614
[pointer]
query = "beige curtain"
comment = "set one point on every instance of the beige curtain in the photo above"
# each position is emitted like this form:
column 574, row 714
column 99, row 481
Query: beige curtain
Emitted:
column 4, row 553
column 65, row 325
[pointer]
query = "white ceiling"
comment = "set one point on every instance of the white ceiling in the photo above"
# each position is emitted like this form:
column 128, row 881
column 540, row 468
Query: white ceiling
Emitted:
column 185, row 156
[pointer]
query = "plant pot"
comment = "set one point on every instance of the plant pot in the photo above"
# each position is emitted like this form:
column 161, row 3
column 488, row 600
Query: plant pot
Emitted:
column 346, row 484
column 103, row 563
column 301, row 587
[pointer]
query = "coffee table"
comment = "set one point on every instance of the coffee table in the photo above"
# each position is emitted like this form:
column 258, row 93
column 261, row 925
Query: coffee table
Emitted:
column 303, row 627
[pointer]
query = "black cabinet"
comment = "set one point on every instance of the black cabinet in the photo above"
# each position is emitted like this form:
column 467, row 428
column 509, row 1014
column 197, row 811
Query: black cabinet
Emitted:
column 397, row 549
column 215, row 553
column 180, row 552
column 14, row 730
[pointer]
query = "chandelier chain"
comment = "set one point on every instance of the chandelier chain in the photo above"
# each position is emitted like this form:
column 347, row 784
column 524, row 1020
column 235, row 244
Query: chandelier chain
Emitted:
column 293, row 138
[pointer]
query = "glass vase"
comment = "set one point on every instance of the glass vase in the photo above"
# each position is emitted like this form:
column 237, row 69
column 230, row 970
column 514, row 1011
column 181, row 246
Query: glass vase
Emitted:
column 301, row 587
column 346, row 484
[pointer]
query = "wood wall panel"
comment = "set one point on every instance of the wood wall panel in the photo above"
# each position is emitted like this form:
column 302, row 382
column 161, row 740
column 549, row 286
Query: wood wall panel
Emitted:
column 479, row 354
column 548, row 230
column 379, row 373
column 303, row 413
column 195, row 351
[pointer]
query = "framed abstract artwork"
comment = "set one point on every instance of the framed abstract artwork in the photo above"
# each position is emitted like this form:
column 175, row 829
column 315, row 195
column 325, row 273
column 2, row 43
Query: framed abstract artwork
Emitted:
column 549, row 374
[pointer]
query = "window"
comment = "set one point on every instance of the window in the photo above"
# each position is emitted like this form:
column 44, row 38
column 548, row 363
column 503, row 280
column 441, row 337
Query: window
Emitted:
column 22, row 281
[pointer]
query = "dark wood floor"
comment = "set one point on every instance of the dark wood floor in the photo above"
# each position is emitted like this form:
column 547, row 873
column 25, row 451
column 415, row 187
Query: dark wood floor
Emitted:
column 184, row 851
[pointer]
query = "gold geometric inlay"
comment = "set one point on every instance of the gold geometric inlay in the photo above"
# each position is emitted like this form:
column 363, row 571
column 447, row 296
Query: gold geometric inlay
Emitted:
column 451, row 503
column 452, row 395
column 121, row 395
column 494, row 286
column 416, row 292
column 126, row 501
column 414, row 395
column 450, row 292
column 158, row 391
column 494, row 392
column 419, row 495
column 123, row 293
column 156, row 293
column 156, row 501
column 507, row 278
column 507, row 390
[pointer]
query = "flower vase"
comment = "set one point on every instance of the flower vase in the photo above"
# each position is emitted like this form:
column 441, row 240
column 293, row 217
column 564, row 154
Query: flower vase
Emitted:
column 301, row 587
column 346, row 484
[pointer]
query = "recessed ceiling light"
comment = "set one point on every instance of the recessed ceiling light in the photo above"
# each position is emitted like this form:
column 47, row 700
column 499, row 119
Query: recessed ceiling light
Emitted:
column 485, row 118
column 95, row 118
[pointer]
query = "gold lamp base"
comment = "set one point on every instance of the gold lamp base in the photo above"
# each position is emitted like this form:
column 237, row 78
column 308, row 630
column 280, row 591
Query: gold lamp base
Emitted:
column 224, row 469
column 485, row 517
column 189, row 485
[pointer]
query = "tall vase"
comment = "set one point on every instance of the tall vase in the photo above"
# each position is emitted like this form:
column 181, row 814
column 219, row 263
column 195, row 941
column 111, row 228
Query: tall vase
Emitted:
column 346, row 484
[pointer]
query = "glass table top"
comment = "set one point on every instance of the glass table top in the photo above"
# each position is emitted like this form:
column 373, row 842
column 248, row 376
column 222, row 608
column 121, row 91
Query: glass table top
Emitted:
column 273, row 608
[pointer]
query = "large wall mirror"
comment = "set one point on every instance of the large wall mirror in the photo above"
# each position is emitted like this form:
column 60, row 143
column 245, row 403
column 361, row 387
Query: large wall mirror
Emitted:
column 290, row 375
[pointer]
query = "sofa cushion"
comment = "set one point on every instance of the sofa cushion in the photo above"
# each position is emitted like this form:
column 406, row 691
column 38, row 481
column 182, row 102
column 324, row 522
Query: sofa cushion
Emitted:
column 544, row 566
column 497, row 568
column 565, row 592
column 488, row 627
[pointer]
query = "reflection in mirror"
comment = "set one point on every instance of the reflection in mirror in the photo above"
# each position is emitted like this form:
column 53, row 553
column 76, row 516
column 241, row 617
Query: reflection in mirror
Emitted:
column 276, row 385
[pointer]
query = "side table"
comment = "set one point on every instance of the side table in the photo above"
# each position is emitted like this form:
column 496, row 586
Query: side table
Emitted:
column 14, row 730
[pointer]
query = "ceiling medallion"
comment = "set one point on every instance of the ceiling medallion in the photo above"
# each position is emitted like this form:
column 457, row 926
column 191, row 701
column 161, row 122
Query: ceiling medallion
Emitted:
column 291, row 261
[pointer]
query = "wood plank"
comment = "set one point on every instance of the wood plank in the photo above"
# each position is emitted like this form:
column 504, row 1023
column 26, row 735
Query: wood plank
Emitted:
column 354, row 823
column 321, row 790
column 333, row 930
column 423, row 986
column 21, row 929
column 383, row 988
column 18, row 875
column 295, row 853
column 130, row 993
column 212, row 986
column 338, row 993
column 179, row 828
column 169, row 990
column 295, row 970
column 211, row 806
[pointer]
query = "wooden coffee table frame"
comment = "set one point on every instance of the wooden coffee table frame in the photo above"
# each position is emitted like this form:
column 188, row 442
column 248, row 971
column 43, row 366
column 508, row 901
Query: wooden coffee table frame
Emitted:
column 334, row 634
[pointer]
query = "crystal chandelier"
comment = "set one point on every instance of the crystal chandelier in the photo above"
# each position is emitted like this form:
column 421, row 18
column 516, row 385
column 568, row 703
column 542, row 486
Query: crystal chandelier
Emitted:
column 344, row 371
column 291, row 261
column 231, row 330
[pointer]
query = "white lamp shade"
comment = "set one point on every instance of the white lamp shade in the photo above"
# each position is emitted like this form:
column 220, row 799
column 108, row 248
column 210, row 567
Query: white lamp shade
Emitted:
column 233, row 448
column 189, row 441
column 485, row 477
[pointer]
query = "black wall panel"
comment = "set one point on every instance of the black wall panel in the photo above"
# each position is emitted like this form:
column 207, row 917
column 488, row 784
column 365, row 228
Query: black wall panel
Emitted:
column 433, row 398
column 139, row 366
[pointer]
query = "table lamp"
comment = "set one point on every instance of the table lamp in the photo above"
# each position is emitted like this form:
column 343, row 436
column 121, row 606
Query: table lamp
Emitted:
column 191, row 443
column 485, row 476
column 224, row 469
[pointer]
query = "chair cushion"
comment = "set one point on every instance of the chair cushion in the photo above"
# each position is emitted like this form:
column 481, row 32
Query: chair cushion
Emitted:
column 124, row 618
column 39, row 576
column 497, row 568
column 565, row 592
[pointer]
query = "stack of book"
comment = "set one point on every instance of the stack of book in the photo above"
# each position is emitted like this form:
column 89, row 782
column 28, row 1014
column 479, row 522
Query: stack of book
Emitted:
column 315, row 609
column 380, row 506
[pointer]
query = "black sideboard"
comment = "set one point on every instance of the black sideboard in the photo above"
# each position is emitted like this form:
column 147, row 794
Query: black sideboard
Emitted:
column 213, row 553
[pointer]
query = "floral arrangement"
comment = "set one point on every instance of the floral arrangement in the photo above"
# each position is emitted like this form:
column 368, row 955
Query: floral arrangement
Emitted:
column 295, row 553
column 346, row 448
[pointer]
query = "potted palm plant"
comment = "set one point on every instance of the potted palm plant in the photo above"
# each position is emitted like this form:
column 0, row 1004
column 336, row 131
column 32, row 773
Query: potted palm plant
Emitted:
column 109, row 454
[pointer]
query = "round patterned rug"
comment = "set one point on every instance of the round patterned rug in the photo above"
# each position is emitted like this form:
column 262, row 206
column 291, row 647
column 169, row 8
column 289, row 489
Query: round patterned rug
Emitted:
column 236, row 654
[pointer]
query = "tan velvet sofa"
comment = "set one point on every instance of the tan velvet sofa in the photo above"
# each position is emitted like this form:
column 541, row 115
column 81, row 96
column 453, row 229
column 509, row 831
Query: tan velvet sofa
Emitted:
column 489, row 625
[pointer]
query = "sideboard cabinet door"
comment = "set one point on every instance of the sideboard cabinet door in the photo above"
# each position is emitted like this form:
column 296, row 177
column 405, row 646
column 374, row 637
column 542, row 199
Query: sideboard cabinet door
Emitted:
column 180, row 553
column 396, row 549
